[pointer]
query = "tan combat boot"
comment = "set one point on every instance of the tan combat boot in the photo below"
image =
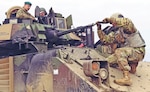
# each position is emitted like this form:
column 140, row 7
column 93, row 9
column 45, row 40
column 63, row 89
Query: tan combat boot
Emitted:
column 125, row 81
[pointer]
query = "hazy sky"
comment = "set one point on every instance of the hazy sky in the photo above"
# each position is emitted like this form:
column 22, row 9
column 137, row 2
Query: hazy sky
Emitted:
column 89, row 11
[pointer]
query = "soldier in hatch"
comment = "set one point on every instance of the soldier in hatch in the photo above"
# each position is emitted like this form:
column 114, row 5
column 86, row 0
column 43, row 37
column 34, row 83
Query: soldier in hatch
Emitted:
column 23, row 13
column 43, row 12
column 130, row 46
column 42, row 16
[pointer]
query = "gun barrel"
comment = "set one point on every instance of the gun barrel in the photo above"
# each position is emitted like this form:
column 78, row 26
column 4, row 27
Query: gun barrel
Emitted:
column 73, row 30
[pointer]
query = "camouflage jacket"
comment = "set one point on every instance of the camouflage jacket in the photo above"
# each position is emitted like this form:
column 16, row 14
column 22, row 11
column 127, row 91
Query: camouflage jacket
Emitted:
column 122, row 23
column 22, row 13
column 125, row 36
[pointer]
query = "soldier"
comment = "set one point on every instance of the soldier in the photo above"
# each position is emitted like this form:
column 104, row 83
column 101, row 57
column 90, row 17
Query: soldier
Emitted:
column 42, row 16
column 43, row 12
column 130, row 46
column 23, row 13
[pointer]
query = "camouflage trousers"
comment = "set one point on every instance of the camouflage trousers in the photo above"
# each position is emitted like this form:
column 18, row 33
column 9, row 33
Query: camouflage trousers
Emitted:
column 126, row 55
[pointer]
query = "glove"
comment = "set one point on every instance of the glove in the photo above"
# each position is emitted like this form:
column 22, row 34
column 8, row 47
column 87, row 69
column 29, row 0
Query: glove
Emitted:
column 106, row 20
column 98, row 25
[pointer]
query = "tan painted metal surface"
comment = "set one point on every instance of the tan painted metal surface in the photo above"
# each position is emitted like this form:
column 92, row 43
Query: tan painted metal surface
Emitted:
column 6, row 75
column 140, row 80
column 5, row 32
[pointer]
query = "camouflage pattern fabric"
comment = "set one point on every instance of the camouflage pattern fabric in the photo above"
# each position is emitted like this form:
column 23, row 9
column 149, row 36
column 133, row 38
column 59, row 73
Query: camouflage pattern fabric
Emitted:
column 22, row 13
column 112, row 37
column 123, row 22
column 122, row 55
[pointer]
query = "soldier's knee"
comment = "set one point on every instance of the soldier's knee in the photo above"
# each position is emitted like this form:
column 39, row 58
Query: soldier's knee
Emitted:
column 121, row 53
column 122, row 61
column 111, row 59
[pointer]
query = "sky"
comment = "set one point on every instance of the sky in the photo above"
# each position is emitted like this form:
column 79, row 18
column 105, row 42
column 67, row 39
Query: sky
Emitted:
column 86, row 12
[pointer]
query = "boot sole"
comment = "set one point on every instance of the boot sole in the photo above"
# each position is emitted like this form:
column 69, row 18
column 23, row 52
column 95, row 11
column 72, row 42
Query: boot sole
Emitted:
column 122, row 84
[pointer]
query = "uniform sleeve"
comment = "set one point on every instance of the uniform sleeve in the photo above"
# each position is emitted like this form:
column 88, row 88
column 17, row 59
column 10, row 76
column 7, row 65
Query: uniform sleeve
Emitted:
column 124, row 23
column 32, row 17
column 106, row 39
column 22, row 14
column 19, row 14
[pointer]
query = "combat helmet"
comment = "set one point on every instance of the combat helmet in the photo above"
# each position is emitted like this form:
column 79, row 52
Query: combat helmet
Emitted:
column 117, row 15
column 43, row 10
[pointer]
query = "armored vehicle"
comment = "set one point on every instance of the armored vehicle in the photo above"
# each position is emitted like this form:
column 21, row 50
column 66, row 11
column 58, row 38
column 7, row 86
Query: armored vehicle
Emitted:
column 48, row 55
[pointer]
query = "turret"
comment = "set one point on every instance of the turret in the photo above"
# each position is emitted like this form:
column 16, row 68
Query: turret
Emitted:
column 20, row 36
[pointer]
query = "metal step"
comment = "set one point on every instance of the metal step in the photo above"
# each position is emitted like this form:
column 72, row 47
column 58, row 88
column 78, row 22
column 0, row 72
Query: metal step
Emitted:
column 4, row 66
column 2, row 61
column 4, row 82
column 4, row 86
column 4, row 71
column 4, row 77
column 4, row 90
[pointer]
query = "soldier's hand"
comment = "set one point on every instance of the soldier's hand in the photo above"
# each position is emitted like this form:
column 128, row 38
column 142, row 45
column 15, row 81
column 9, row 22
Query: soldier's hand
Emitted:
column 35, row 21
column 106, row 20
column 98, row 25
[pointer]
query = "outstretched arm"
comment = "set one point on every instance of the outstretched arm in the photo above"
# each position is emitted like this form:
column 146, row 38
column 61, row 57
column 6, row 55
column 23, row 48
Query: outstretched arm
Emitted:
column 22, row 14
column 106, row 39
column 125, row 23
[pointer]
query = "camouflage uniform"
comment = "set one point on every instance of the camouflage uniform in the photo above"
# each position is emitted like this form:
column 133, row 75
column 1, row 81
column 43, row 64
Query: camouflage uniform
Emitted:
column 22, row 13
column 131, row 46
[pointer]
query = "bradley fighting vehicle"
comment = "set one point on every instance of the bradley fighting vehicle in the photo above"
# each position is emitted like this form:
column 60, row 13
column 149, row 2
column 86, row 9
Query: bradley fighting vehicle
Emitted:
column 48, row 56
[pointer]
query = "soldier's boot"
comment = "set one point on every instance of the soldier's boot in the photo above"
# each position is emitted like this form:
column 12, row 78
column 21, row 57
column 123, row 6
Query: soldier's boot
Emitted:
column 133, row 67
column 125, row 81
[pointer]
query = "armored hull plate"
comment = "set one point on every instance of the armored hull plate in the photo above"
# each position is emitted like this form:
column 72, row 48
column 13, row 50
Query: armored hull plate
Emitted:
column 140, row 80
